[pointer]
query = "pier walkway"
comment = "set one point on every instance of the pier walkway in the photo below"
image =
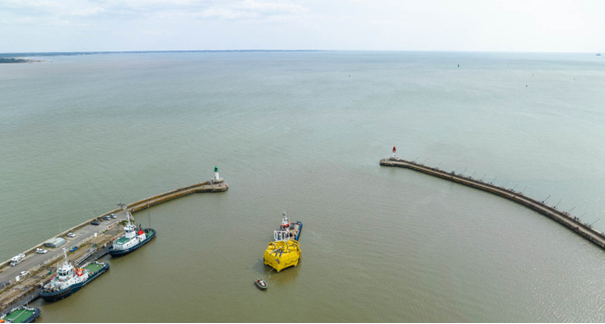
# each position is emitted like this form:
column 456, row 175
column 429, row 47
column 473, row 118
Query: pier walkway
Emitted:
column 563, row 218
column 14, row 287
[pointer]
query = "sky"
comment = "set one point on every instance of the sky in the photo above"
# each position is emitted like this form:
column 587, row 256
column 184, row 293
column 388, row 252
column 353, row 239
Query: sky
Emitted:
column 402, row 25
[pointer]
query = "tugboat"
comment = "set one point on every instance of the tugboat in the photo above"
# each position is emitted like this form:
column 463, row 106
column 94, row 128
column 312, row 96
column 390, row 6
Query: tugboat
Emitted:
column 132, row 239
column 70, row 279
column 284, row 251
column 21, row 314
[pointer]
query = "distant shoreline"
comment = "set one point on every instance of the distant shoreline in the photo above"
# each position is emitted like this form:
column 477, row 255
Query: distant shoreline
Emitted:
column 11, row 60
column 30, row 54
column 34, row 54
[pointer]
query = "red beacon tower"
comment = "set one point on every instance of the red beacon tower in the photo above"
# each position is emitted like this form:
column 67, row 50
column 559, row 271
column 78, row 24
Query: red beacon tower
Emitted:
column 394, row 156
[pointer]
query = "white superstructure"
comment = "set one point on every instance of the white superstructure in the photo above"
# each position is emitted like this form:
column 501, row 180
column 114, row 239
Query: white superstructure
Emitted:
column 132, row 235
column 67, row 275
column 283, row 234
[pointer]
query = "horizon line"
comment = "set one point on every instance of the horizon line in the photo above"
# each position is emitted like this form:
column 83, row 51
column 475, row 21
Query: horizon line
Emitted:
column 58, row 53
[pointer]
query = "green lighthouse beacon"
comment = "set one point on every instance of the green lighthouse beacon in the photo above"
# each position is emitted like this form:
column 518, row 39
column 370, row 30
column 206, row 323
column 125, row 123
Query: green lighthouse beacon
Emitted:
column 217, row 178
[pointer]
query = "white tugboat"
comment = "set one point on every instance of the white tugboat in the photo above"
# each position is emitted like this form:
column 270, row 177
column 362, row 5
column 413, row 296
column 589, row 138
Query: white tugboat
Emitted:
column 70, row 279
column 134, row 237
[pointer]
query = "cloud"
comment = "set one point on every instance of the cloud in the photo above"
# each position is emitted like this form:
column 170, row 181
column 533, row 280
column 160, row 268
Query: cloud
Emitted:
column 89, row 12
column 28, row 6
column 149, row 6
column 20, row 20
column 28, row 3
column 249, row 9
column 269, row 8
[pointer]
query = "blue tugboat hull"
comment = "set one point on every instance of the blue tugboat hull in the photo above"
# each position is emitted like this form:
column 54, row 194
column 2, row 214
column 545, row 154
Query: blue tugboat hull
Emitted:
column 118, row 253
column 58, row 295
column 299, row 230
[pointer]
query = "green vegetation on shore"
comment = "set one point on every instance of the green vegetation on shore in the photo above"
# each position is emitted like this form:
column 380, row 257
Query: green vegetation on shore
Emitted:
column 12, row 60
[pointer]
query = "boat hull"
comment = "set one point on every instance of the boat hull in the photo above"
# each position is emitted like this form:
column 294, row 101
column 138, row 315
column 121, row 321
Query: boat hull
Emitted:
column 261, row 287
column 119, row 253
column 299, row 230
column 58, row 295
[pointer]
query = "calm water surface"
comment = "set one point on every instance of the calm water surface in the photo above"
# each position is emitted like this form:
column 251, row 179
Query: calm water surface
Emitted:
column 303, row 132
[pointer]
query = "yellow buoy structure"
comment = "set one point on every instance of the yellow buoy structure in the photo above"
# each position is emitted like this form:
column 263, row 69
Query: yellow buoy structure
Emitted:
column 282, row 254
column 284, row 251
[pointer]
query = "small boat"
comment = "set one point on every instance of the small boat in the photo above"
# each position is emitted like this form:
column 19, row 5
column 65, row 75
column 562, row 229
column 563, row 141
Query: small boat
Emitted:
column 261, row 284
column 21, row 314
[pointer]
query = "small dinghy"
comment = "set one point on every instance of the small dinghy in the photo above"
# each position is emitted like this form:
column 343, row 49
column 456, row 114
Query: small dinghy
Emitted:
column 261, row 284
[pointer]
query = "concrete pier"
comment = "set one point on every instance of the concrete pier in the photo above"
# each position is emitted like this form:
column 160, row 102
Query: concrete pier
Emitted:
column 15, row 288
column 563, row 218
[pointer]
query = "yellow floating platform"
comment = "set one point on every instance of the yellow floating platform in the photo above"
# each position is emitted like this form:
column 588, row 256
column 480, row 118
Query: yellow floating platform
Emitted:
column 282, row 254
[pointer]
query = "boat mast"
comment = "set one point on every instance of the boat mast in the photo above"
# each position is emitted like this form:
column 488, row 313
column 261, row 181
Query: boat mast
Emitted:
column 65, row 254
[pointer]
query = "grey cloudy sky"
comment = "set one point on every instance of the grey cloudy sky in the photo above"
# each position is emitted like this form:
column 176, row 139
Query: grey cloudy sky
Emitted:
column 446, row 25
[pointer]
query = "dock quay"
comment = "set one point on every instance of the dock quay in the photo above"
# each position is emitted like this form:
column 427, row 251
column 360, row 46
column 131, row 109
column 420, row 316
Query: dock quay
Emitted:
column 90, row 243
column 573, row 223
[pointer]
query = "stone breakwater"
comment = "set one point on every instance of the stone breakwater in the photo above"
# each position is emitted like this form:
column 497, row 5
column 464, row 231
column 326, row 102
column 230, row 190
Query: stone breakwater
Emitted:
column 563, row 218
